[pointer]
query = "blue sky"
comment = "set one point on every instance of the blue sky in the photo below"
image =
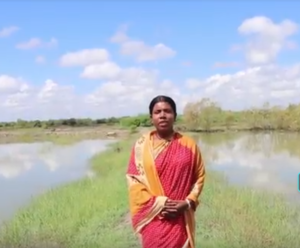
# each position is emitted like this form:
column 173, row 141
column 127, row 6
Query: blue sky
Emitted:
column 201, row 34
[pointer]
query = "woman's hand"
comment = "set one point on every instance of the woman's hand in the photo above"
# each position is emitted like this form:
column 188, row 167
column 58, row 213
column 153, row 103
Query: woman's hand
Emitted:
column 173, row 208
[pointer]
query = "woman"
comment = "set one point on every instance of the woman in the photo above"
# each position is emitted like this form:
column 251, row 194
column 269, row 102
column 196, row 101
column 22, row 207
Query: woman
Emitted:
column 165, row 178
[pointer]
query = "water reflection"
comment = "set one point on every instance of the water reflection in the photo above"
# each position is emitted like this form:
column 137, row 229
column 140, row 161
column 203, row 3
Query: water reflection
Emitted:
column 29, row 169
column 269, row 161
column 263, row 161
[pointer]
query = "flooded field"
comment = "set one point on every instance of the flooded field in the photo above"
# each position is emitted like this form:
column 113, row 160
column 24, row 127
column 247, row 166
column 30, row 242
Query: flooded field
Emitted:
column 27, row 170
column 263, row 161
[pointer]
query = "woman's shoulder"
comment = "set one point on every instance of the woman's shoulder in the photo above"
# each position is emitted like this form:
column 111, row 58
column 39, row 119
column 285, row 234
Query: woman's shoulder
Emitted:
column 187, row 141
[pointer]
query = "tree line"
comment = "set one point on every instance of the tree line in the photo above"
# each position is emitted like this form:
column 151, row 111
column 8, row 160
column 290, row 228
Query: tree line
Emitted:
column 126, row 121
column 203, row 115
column 207, row 115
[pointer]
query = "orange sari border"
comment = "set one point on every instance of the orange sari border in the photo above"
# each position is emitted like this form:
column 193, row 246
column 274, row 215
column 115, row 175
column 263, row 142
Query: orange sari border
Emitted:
column 145, row 185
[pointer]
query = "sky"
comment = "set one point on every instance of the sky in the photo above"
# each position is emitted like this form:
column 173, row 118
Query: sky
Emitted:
column 63, row 59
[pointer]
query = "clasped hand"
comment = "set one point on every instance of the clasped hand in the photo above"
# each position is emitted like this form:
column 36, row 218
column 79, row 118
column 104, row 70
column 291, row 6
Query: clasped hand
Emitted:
column 173, row 209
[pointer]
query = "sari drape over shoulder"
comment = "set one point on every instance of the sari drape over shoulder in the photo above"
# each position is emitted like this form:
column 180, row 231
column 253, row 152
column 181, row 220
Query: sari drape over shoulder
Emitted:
column 159, row 170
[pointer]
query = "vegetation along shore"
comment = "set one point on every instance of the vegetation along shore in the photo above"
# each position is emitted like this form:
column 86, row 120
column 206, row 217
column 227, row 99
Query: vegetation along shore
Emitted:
column 205, row 116
column 94, row 213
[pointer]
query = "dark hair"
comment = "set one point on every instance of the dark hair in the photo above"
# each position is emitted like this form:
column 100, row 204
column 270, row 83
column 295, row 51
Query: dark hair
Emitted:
column 162, row 98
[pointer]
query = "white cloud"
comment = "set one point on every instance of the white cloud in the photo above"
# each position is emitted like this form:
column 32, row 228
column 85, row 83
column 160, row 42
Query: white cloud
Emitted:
column 84, row 57
column 120, row 36
column 266, row 39
column 132, row 91
column 193, row 83
column 250, row 87
column 112, row 71
column 40, row 59
column 11, row 85
column 8, row 31
column 52, row 90
column 231, row 64
column 51, row 100
column 34, row 43
column 107, row 70
column 128, row 90
column 139, row 50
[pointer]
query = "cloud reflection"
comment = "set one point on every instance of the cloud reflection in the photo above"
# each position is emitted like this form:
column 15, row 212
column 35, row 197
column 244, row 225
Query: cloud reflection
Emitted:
column 256, row 161
column 17, row 159
column 265, row 161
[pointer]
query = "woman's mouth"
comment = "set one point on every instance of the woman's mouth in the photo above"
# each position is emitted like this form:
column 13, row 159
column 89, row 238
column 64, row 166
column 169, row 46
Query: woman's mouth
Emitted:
column 163, row 123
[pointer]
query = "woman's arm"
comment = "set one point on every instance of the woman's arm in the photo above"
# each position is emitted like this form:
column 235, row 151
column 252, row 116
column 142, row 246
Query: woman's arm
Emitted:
column 199, row 178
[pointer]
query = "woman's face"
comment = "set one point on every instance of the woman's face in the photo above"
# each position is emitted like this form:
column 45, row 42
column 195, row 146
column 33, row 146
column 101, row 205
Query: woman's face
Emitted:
column 163, row 116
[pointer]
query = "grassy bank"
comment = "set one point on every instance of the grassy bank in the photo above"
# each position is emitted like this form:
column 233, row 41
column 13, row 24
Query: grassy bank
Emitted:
column 73, row 135
column 93, row 213
column 64, row 136
column 56, row 139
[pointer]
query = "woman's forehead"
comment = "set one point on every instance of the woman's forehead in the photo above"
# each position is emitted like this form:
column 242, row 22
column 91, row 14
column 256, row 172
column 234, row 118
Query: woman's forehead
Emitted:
column 162, row 105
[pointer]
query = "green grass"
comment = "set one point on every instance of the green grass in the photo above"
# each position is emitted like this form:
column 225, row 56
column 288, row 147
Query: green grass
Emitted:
column 93, row 213
column 57, row 138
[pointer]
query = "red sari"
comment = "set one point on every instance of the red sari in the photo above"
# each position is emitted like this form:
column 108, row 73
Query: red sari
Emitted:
column 159, row 170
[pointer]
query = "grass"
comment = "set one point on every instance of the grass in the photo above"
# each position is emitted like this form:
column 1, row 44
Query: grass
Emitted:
column 57, row 137
column 93, row 213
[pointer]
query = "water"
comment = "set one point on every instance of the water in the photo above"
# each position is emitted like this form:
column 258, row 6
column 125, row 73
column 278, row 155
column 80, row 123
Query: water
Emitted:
column 268, row 161
column 27, row 170
column 262, row 161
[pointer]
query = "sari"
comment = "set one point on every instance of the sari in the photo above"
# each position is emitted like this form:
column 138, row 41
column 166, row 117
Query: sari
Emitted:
column 159, row 170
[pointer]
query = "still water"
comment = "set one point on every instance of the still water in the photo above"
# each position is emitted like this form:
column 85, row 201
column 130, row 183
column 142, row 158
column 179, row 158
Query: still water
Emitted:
column 27, row 170
column 263, row 161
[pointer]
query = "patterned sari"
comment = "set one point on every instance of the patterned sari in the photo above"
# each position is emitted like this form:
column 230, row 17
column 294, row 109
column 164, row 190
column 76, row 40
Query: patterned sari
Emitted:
column 158, row 170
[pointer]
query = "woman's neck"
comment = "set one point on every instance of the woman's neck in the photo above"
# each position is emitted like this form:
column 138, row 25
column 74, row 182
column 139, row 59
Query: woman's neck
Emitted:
column 167, row 135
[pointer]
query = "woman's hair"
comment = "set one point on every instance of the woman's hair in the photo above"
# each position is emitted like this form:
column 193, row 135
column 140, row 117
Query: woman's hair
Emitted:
column 162, row 98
